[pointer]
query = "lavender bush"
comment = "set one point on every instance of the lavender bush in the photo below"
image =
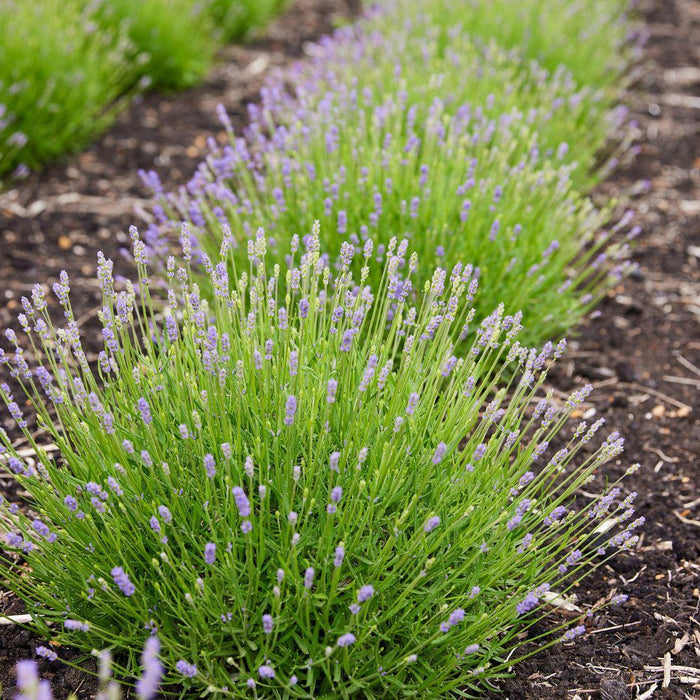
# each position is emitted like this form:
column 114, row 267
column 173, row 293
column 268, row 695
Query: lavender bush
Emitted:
column 297, row 487
column 240, row 18
column 463, row 73
column 172, row 41
column 423, row 133
column 67, row 67
column 60, row 80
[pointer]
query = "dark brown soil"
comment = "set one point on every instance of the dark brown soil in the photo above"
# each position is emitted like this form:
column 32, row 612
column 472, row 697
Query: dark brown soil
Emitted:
column 642, row 353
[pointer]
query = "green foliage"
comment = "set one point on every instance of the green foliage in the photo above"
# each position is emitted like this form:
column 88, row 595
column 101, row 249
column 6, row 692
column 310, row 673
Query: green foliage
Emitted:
column 60, row 79
column 67, row 67
column 173, row 40
column 589, row 37
column 318, row 456
column 237, row 19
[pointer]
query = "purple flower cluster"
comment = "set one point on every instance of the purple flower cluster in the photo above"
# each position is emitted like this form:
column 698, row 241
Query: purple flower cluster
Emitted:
column 121, row 579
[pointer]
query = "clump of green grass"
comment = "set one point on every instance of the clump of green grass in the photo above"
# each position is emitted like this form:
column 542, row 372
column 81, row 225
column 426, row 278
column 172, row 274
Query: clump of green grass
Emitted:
column 60, row 79
column 298, row 488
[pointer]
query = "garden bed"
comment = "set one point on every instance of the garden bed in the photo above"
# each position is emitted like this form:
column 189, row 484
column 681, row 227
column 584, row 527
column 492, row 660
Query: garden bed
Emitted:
column 642, row 354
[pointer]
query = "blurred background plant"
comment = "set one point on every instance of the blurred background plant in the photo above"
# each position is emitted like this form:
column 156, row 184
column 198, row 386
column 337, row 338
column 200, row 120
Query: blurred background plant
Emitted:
column 172, row 42
column 68, row 66
column 238, row 19
column 61, row 79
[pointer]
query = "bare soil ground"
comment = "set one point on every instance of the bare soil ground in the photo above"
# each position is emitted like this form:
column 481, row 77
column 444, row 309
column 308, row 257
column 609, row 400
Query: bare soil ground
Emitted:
column 642, row 353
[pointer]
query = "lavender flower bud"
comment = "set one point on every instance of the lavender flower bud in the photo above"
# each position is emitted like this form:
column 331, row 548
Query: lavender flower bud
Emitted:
column 121, row 579
column 345, row 640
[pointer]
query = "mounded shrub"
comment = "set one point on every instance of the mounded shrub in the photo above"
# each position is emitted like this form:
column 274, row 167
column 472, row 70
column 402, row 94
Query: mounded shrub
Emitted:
column 296, row 486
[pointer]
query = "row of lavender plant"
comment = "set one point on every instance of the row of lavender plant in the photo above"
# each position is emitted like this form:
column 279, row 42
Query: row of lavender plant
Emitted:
column 464, row 147
column 304, row 492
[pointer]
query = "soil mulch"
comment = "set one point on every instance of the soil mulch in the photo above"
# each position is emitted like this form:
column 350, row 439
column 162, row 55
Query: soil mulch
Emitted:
column 642, row 353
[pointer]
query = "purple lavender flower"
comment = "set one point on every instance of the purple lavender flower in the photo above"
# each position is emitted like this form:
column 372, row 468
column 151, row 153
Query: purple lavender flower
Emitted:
column 529, row 602
column 309, row 578
column 293, row 363
column 346, row 342
column 209, row 553
column 332, row 389
column 121, row 578
column 242, row 502
column 412, row 403
column 28, row 680
column 47, row 653
column 147, row 685
column 431, row 523
column 365, row 593
column 210, row 466
column 16, row 413
column 573, row 557
column 479, row 452
column 267, row 623
column 345, row 640
column 114, row 485
column 40, row 527
column 76, row 625
column 266, row 671
column 439, row 453
column 455, row 618
column 574, row 632
column 165, row 513
column 290, row 410
column 339, row 556
column 186, row 669
column 145, row 411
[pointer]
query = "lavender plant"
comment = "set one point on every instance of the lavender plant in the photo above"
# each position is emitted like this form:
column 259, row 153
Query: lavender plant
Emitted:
column 465, row 74
column 454, row 191
column 237, row 19
column 173, row 41
column 298, row 486
column 60, row 80
column 481, row 159
column 595, row 39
